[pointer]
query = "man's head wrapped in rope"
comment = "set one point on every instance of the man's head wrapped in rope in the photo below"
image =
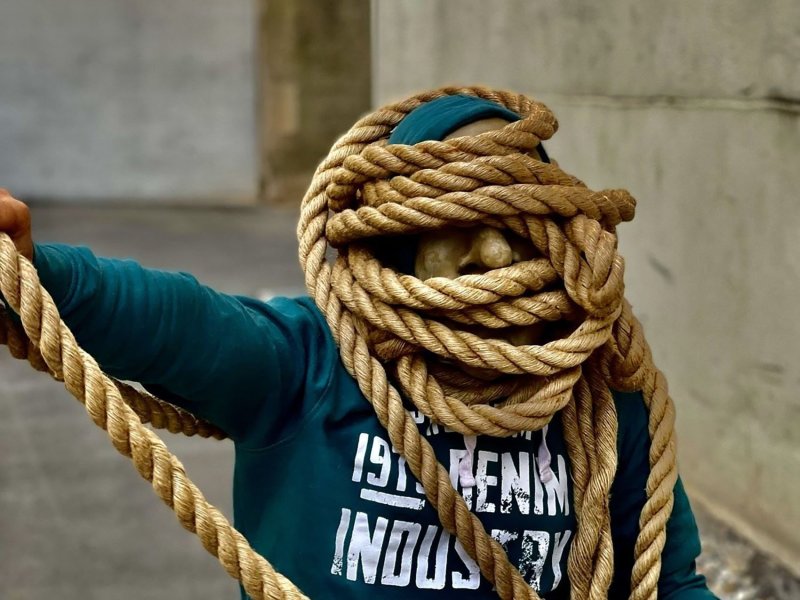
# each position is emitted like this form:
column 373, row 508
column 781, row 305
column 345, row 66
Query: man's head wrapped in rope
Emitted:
column 399, row 334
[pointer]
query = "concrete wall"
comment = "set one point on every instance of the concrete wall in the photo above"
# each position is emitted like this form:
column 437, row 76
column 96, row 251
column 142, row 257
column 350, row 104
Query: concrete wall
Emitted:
column 316, row 67
column 694, row 107
column 128, row 99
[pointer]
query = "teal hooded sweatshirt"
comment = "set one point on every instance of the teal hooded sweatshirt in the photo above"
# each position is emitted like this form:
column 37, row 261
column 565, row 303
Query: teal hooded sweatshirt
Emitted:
column 318, row 488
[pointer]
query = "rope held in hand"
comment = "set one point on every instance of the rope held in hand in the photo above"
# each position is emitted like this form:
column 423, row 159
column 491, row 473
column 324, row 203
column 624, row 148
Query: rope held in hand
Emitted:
column 397, row 332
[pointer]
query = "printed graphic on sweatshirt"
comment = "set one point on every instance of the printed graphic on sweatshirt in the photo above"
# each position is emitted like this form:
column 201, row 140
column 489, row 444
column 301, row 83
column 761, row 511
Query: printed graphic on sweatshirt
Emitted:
column 393, row 545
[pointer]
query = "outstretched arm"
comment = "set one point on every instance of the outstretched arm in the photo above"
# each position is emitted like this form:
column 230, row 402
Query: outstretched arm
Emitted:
column 236, row 362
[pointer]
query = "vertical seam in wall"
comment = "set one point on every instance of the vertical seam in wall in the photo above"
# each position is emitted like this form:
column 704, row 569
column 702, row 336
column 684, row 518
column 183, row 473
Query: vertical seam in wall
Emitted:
column 259, row 95
column 373, row 43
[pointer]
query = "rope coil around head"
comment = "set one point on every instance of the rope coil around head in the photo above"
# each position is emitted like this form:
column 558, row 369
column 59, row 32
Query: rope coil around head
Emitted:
column 396, row 332
column 48, row 344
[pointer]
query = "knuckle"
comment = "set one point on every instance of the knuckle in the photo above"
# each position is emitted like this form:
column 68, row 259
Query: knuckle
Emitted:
column 15, row 216
column 23, row 216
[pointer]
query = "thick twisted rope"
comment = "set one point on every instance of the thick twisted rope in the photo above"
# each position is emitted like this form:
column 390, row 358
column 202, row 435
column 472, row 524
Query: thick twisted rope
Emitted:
column 49, row 345
column 398, row 334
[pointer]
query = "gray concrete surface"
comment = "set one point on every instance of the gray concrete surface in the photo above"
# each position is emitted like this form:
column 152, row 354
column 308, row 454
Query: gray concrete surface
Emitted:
column 315, row 82
column 712, row 49
column 695, row 109
column 120, row 99
column 737, row 570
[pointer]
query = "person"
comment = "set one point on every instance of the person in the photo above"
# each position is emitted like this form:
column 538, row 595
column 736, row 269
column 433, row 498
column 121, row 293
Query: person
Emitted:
column 319, row 488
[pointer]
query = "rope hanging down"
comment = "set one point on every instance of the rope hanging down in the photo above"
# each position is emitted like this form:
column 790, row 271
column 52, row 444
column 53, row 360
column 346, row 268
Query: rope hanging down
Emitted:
column 397, row 332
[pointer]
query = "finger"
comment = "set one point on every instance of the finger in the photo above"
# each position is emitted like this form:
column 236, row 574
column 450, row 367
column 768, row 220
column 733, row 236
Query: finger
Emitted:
column 14, row 217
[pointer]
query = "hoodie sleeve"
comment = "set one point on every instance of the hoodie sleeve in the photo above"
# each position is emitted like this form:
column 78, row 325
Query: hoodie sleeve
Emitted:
column 679, row 579
column 234, row 361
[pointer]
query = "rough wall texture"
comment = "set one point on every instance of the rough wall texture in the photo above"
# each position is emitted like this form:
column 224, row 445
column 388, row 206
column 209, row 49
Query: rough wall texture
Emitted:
column 128, row 99
column 315, row 67
column 694, row 107
column 717, row 48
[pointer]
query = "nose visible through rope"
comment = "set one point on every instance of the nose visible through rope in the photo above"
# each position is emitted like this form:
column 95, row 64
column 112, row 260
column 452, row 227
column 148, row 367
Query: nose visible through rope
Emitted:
column 494, row 250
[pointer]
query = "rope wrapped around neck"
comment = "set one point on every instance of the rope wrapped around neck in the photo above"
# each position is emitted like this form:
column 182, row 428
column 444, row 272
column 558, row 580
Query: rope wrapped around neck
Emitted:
column 400, row 335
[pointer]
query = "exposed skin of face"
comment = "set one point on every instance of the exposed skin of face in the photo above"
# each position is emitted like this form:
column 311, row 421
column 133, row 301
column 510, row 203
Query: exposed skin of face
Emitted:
column 451, row 252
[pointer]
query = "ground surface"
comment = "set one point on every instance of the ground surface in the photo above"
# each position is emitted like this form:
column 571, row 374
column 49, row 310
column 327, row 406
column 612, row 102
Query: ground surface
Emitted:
column 76, row 522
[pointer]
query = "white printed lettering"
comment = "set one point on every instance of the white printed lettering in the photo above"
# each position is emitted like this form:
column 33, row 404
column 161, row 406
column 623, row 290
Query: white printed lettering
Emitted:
column 557, row 490
column 393, row 499
column 341, row 533
column 473, row 579
column 503, row 537
column 483, row 481
column 440, row 561
column 381, row 456
column 535, row 545
column 358, row 463
column 365, row 549
column 402, row 542
column 558, row 552
column 516, row 484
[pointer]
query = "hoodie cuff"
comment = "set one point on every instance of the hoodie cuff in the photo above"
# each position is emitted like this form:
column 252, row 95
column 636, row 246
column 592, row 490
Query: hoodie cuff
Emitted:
column 66, row 272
